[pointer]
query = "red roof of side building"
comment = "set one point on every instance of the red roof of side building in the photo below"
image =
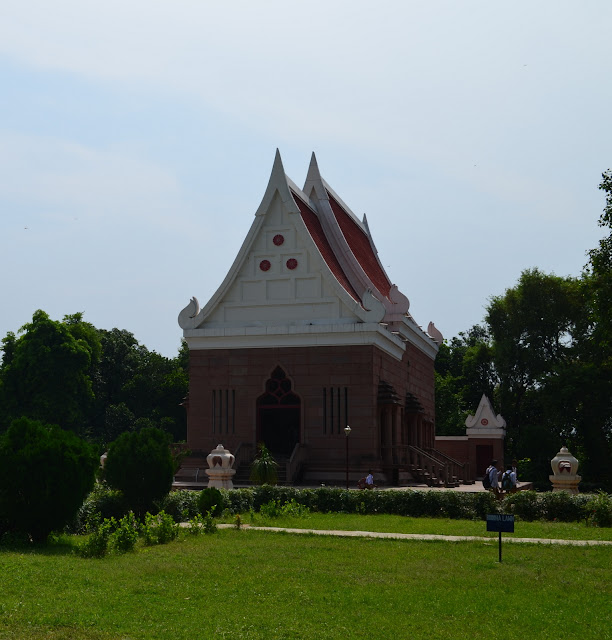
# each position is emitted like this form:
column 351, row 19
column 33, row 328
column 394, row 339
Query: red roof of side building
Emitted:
column 315, row 229
column 359, row 244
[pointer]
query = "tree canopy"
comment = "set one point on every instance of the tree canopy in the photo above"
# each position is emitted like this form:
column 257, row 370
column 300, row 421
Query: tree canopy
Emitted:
column 544, row 357
column 95, row 382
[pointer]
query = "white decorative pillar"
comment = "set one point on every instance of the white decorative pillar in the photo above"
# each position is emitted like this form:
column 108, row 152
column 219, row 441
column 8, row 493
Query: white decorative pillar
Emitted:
column 220, row 474
column 565, row 468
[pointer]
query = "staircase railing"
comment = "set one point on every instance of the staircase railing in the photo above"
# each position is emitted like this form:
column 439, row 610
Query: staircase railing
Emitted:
column 295, row 462
column 460, row 470
column 244, row 454
column 430, row 466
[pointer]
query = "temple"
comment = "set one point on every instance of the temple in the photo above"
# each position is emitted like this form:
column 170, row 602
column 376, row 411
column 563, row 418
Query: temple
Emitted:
column 305, row 336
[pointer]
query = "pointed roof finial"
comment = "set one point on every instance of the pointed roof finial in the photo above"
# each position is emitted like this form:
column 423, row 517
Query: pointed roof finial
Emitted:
column 278, row 162
column 313, row 175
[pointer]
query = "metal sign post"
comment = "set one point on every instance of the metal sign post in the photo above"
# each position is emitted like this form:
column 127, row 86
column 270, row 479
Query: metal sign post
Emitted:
column 500, row 522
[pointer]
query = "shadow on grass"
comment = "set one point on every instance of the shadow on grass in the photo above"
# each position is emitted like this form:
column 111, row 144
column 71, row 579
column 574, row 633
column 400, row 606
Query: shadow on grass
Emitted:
column 56, row 545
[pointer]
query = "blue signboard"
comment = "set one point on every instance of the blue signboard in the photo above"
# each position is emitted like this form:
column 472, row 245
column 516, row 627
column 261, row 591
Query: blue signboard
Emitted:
column 500, row 522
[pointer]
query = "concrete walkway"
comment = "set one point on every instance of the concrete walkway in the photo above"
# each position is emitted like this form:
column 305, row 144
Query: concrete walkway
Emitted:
column 421, row 536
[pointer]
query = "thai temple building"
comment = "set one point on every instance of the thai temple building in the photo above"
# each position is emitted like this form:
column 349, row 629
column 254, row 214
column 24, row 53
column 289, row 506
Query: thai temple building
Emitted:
column 307, row 336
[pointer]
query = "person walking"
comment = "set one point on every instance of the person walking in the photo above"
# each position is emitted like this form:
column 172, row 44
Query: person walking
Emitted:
column 493, row 474
column 508, row 480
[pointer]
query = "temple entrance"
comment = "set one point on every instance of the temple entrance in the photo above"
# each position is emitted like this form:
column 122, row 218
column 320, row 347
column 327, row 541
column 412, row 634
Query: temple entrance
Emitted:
column 484, row 455
column 278, row 415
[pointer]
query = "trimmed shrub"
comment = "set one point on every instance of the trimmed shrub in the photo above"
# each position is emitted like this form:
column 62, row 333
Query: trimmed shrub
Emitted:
column 45, row 474
column 598, row 510
column 562, row 506
column 140, row 465
column 101, row 504
column 211, row 501
column 524, row 504
column 181, row 505
column 238, row 500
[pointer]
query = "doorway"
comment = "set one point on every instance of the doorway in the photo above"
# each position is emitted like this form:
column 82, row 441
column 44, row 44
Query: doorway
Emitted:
column 278, row 415
column 484, row 455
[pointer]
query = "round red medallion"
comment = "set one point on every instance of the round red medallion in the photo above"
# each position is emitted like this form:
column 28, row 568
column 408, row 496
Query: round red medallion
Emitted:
column 484, row 422
column 265, row 265
column 278, row 239
column 292, row 263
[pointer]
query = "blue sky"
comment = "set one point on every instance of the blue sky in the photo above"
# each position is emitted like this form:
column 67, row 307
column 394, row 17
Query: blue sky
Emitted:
column 137, row 138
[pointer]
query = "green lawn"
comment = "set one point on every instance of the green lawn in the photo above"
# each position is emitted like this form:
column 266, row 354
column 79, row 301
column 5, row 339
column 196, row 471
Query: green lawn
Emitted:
column 257, row 584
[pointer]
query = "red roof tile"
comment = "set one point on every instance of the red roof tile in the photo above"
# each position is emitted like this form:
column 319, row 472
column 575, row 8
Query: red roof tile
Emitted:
column 359, row 244
column 315, row 229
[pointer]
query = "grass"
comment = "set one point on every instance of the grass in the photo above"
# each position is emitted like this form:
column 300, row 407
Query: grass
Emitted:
column 441, row 526
column 257, row 584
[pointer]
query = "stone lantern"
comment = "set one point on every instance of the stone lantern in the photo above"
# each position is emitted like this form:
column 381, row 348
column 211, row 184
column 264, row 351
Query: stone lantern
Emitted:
column 220, row 461
column 565, row 468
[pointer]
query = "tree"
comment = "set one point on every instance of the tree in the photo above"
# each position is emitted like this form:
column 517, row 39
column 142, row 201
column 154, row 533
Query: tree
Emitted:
column 533, row 327
column 45, row 475
column 595, row 348
column 464, row 371
column 133, row 381
column 140, row 465
column 44, row 375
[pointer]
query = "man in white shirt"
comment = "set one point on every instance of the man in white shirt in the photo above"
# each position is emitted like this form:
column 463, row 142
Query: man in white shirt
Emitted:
column 493, row 476
column 369, row 480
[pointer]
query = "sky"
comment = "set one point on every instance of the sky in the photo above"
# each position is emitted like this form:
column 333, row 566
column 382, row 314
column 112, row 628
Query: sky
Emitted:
column 137, row 139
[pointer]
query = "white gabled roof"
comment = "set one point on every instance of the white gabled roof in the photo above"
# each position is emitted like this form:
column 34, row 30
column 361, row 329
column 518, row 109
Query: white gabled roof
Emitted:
column 307, row 273
column 485, row 422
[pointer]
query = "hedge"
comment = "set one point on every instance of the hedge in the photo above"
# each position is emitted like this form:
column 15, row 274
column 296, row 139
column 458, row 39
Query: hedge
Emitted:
column 525, row 505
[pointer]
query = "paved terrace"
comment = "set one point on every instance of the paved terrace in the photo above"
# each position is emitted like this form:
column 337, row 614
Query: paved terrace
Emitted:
column 463, row 488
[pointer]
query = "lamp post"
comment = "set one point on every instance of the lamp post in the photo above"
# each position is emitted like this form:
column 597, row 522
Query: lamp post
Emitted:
column 347, row 432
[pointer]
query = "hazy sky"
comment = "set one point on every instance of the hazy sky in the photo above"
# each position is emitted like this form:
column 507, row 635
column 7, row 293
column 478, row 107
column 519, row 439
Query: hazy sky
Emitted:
column 137, row 139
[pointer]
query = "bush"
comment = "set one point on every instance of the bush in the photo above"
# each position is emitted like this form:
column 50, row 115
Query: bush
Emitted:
column 125, row 536
column 277, row 509
column 238, row 500
column 562, row 506
column 96, row 546
column 599, row 510
column 101, row 504
column 523, row 504
column 45, row 474
column 140, row 465
column 159, row 529
column 211, row 500
column 181, row 505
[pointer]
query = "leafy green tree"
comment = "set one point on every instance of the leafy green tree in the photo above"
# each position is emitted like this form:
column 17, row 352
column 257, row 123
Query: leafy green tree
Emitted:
column 595, row 349
column 463, row 372
column 140, row 465
column 45, row 475
column 44, row 375
column 533, row 327
column 133, row 383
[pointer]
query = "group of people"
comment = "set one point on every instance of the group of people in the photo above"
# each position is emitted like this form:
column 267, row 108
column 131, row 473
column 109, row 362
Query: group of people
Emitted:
column 498, row 482
column 506, row 482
